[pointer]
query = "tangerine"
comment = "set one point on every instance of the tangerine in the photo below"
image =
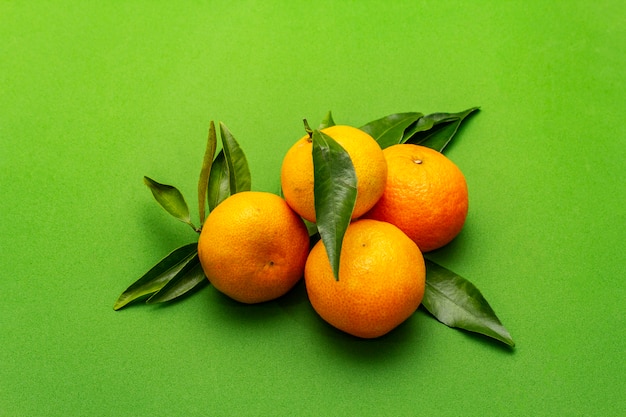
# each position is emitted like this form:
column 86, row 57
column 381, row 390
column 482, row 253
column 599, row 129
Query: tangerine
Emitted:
column 425, row 196
column 381, row 280
column 253, row 247
column 370, row 167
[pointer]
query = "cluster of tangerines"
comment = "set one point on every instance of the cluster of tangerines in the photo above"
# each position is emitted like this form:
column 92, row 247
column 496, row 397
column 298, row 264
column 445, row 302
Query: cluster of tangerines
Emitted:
column 255, row 246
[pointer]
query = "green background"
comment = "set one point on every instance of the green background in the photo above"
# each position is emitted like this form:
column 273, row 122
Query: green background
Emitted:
column 94, row 96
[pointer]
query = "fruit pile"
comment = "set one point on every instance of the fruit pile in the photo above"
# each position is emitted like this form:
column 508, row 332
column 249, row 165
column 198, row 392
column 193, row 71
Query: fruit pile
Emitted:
column 359, row 207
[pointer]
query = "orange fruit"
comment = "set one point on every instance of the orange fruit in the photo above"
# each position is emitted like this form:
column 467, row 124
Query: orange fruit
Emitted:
column 381, row 280
column 253, row 247
column 425, row 196
column 296, row 176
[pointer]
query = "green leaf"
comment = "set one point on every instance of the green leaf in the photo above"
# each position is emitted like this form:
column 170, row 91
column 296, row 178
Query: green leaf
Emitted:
column 237, row 162
column 170, row 199
column 219, row 181
column 440, row 133
column 389, row 130
column 334, row 192
column 456, row 302
column 327, row 122
column 190, row 277
column 422, row 124
column 207, row 162
column 314, row 234
column 153, row 280
column 310, row 227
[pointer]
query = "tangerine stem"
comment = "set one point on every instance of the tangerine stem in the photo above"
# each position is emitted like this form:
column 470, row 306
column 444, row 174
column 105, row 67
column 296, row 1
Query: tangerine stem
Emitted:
column 308, row 130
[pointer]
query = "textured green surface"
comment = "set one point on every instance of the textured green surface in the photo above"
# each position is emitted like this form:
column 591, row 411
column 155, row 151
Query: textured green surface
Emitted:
column 95, row 96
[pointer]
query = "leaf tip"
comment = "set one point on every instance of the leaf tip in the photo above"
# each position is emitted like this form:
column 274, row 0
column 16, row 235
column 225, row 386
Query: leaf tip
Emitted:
column 507, row 339
column 223, row 129
column 118, row 304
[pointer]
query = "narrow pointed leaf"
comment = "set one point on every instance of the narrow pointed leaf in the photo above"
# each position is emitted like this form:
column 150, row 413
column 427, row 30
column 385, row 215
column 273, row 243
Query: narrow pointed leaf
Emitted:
column 153, row 280
column 389, row 130
column 219, row 181
column 422, row 124
column 327, row 122
column 314, row 234
column 441, row 136
column 237, row 163
column 444, row 127
column 334, row 192
column 190, row 277
column 310, row 227
column 456, row 302
column 170, row 199
column 205, row 171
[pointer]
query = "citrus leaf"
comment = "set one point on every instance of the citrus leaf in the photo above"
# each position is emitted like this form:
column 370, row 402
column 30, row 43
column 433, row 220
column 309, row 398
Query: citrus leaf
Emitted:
column 327, row 122
column 170, row 199
column 207, row 162
column 422, row 124
column 153, row 280
column 237, row 163
column 334, row 193
column 389, row 130
column 310, row 227
column 190, row 277
column 456, row 302
column 440, row 133
column 219, row 181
